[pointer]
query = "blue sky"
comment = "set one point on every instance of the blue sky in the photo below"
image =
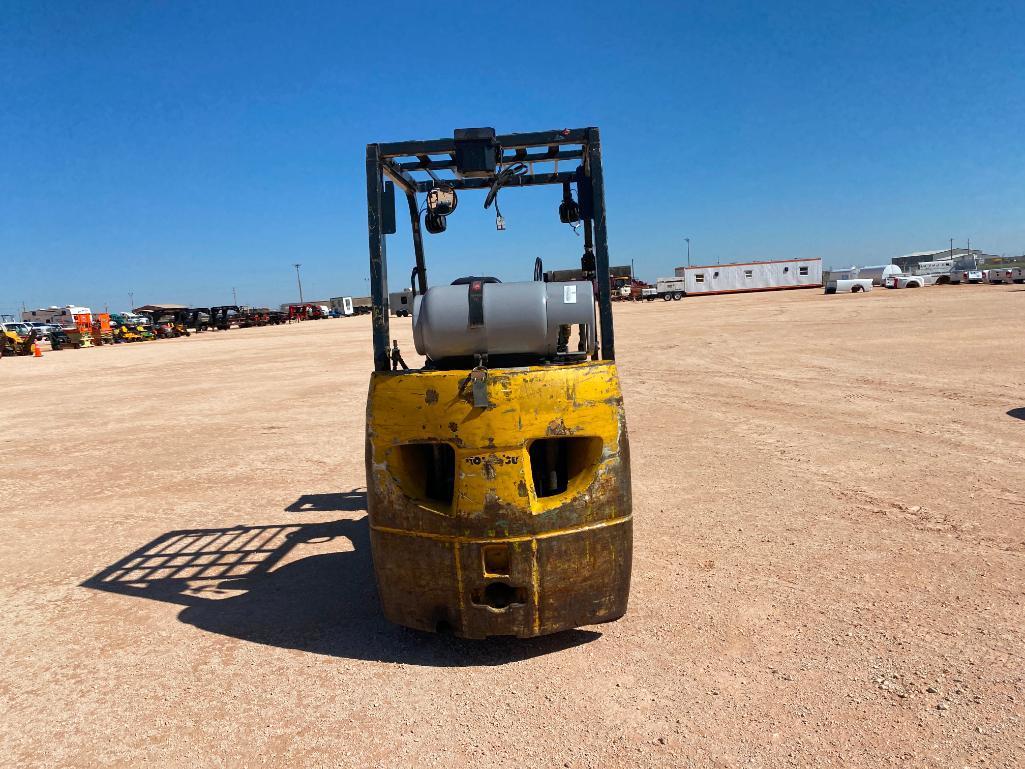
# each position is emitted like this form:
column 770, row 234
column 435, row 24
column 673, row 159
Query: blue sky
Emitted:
column 177, row 150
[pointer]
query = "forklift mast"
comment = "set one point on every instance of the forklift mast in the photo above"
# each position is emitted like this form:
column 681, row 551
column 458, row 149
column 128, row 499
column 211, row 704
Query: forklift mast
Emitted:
column 478, row 159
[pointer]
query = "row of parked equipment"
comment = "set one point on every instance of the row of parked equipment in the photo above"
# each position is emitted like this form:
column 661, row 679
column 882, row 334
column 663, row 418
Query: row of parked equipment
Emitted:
column 78, row 327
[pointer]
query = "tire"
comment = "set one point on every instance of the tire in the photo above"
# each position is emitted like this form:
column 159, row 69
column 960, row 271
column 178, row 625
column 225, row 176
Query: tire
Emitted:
column 913, row 285
column 667, row 297
column 677, row 296
column 855, row 289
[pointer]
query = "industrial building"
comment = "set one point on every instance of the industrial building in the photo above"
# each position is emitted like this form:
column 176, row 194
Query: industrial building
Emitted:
column 751, row 276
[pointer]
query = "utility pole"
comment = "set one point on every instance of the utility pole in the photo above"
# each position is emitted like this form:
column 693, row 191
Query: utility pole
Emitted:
column 234, row 297
column 131, row 301
column 688, row 251
column 299, row 281
column 975, row 262
column 951, row 249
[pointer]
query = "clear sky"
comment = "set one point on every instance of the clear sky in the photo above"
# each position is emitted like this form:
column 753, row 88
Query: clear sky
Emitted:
column 179, row 149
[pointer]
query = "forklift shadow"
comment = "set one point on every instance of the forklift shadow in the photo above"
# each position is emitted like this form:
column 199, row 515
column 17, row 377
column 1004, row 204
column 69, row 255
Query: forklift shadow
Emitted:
column 298, row 586
column 1017, row 413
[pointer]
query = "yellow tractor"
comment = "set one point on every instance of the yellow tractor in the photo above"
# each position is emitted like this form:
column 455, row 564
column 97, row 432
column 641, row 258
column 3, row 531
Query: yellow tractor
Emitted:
column 498, row 473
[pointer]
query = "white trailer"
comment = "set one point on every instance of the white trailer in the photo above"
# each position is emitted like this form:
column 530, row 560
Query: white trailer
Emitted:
column 1001, row 275
column 58, row 316
column 753, row 276
column 848, row 285
column 401, row 302
column 670, row 288
column 1018, row 274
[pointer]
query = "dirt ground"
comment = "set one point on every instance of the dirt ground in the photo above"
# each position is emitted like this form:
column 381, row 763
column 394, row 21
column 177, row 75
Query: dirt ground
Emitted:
column 828, row 571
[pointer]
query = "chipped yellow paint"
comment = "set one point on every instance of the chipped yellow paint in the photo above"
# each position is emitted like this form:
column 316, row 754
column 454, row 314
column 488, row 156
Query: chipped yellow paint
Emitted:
column 492, row 445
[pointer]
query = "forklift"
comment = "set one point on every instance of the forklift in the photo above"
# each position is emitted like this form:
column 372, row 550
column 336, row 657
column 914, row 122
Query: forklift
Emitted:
column 498, row 473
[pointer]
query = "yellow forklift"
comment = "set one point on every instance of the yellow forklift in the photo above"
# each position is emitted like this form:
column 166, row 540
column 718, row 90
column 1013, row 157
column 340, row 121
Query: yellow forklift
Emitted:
column 498, row 473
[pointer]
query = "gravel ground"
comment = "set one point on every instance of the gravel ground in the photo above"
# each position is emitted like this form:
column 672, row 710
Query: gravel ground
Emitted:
column 828, row 570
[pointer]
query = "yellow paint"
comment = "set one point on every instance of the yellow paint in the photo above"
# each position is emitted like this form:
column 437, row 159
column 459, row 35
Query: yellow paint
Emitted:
column 581, row 400
column 523, row 538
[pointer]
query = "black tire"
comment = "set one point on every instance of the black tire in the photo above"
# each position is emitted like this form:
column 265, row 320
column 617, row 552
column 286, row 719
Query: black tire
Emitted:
column 667, row 297
column 677, row 296
column 855, row 289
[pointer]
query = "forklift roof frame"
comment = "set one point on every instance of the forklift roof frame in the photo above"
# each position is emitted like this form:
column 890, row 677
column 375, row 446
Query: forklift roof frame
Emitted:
column 399, row 161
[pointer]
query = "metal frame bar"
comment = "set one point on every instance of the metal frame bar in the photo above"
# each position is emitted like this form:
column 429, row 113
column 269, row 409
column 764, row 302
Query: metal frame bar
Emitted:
column 554, row 154
column 383, row 160
column 507, row 141
column 380, row 311
column 601, row 245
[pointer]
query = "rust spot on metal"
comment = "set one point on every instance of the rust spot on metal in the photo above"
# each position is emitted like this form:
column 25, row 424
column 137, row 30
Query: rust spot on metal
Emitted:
column 489, row 470
column 453, row 426
column 431, row 396
column 521, row 488
column 492, row 504
column 557, row 427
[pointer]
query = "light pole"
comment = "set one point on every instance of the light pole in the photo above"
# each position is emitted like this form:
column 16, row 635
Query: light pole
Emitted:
column 299, row 281
column 234, row 297
column 131, row 301
column 688, row 251
column 951, row 249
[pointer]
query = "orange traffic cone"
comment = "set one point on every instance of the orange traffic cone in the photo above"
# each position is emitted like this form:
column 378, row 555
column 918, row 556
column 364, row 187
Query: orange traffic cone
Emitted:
column 36, row 352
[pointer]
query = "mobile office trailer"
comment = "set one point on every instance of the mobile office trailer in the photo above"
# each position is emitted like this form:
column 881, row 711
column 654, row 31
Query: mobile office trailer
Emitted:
column 753, row 276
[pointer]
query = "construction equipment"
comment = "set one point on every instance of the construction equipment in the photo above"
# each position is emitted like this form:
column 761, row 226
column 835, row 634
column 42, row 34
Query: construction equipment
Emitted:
column 16, row 338
column 167, row 323
column 222, row 317
column 498, row 474
column 102, row 332
column 81, row 334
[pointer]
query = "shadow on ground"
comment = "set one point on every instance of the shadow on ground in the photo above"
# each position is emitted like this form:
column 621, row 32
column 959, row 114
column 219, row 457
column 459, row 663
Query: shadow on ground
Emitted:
column 299, row 586
column 1018, row 413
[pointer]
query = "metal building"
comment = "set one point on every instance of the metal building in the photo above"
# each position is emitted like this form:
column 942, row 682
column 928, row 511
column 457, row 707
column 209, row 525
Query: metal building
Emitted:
column 752, row 276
